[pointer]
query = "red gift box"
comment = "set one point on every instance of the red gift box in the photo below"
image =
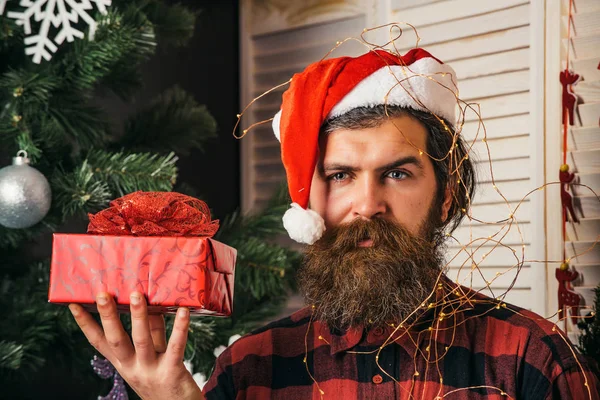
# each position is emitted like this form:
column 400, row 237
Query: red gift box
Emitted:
column 172, row 271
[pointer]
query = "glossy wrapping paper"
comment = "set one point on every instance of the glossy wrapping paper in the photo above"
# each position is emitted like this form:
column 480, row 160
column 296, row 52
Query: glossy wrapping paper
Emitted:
column 195, row 272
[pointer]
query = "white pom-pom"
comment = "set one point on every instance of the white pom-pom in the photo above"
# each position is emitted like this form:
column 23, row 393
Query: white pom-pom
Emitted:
column 304, row 226
column 275, row 124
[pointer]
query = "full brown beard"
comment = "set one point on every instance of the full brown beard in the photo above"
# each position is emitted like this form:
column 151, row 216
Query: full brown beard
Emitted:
column 370, row 286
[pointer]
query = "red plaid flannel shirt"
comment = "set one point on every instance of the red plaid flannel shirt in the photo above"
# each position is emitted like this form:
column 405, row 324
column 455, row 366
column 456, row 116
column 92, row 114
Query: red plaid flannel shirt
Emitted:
column 486, row 350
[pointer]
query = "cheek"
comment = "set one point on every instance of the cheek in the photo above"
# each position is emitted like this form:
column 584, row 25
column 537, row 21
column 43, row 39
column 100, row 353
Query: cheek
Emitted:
column 410, row 209
column 332, row 205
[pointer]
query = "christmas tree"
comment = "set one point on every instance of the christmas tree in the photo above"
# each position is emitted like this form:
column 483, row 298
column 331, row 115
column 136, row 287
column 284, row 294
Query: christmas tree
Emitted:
column 49, row 109
column 589, row 340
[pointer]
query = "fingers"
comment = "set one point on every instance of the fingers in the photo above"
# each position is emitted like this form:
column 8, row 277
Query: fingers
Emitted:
column 140, row 329
column 158, row 332
column 116, row 337
column 178, row 339
column 92, row 331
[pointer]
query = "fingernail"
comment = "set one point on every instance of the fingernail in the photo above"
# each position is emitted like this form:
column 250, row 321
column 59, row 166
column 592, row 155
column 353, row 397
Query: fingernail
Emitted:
column 102, row 299
column 135, row 298
column 182, row 312
column 74, row 310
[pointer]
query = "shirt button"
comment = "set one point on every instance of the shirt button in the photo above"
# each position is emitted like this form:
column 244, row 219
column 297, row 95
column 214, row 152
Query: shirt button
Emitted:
column 377, row 379
column 378, row 331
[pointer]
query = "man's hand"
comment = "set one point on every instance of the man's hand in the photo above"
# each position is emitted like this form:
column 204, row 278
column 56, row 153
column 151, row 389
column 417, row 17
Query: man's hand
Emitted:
column 152, row 368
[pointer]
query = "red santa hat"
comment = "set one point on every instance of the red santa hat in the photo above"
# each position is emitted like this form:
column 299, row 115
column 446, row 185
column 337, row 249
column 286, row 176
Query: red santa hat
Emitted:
column 331, row 88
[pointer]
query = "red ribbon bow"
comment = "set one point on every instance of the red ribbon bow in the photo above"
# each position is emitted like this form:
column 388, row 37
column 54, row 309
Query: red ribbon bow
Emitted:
column 154, row 214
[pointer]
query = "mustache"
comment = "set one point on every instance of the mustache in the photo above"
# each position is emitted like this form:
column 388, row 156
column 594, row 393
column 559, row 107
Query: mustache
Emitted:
column 383, row 233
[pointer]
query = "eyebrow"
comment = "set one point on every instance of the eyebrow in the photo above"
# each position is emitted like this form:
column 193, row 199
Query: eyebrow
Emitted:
column 394, row 164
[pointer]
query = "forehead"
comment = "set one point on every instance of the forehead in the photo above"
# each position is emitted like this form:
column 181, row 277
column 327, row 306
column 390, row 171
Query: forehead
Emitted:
column 403, row 134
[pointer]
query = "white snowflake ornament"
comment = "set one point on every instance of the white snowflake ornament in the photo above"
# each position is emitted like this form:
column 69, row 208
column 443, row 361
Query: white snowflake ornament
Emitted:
column 62, row 14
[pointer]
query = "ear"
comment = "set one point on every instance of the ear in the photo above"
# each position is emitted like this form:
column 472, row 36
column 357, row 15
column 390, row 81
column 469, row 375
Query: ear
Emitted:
column 447, row 203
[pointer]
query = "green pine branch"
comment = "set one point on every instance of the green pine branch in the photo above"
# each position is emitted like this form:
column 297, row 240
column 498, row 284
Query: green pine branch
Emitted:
column 84, row 126
column 12, row 238
column 120, row 36
column 266, row 224
column 174, row 24
column 104, row 176
column 11, row 354
column 262, row 268
column 23, row 302
column 173, row 121
column 80, row 191
column 127, row 172
column 589, row 340
column 29, row 89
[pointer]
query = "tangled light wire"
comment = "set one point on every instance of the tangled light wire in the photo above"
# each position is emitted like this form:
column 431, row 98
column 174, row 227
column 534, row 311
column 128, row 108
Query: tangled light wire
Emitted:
column 445, row 301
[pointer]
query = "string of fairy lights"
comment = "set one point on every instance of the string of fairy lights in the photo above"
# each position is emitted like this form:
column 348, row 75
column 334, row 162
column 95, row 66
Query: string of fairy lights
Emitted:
column 447, row 302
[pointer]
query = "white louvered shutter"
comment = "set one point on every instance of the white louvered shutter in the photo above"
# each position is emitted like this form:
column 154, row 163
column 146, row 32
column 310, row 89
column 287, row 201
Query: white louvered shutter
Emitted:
column 489, row 44
column 272, row 51
column 583, row 146
column 496, row 48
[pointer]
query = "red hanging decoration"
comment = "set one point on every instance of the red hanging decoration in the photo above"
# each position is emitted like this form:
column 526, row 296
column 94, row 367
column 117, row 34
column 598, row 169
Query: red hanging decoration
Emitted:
column 566, row 178
column 566, row 296
column 569, row 99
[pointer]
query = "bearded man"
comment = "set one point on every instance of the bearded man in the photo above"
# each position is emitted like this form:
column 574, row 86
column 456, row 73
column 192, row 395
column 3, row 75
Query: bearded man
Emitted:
column 377, row 176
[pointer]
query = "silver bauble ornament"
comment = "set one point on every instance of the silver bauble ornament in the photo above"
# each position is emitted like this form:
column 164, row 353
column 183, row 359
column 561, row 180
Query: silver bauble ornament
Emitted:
column 25, row 194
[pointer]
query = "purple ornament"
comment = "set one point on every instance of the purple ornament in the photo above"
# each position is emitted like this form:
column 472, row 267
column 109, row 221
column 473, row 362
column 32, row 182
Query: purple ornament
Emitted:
column 106, row 370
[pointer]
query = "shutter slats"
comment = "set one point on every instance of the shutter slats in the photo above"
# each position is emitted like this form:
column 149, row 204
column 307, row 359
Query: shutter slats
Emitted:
column 504, row 170
column 589, row 179
column 499, row 106
column 493, row 213
column 478, row 278
column 275, row 56
column 589, row 113
column 514, row 125
column 448, row 10
column 489, row 43
column 586, row 229
column 583, row 252
column 584, row 143
column 502, row 148
column 473, row 26
column 486, row 256
column 494, row 85
column 478, row 234
column 584, row 137
column 584, row 160
column 508, row 61
column 513, row 191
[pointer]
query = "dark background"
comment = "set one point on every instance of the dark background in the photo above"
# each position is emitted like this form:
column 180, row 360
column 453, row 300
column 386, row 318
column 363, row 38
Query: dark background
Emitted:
column 208, row 69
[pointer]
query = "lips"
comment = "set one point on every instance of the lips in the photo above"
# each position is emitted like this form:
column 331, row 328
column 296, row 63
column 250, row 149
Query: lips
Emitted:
column 366, row 243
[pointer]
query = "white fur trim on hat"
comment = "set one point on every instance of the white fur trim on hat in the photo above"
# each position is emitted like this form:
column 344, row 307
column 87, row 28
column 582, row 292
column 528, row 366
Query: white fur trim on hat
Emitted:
column 372, row 90
column 303, row 226
column 276, row 122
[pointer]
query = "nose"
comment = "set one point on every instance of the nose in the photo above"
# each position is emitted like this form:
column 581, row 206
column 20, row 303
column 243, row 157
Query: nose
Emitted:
column 369, row 201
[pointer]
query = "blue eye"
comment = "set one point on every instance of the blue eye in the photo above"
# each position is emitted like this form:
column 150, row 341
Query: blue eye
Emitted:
column 338, row 176
column 397, row 174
